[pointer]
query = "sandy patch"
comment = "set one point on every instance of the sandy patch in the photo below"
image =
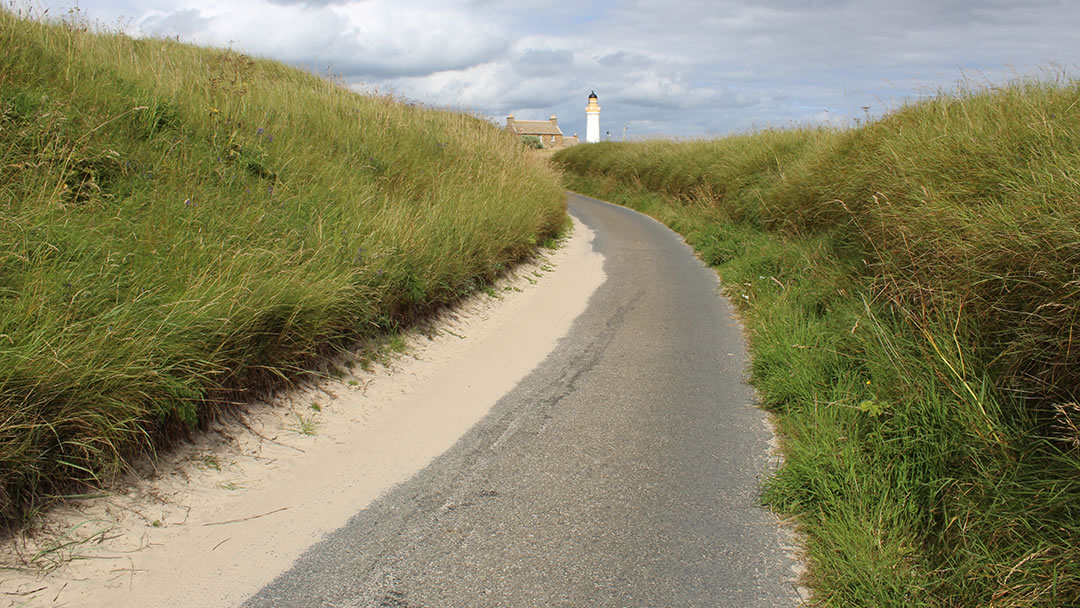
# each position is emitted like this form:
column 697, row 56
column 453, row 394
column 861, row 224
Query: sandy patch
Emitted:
column 222, row 517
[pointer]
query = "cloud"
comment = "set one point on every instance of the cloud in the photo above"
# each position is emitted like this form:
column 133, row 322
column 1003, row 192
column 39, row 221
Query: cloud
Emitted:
column 626, row 61
column 308, row 2
column 371, row 39
column 660, row 66
column 185, row 23
column 540, row 62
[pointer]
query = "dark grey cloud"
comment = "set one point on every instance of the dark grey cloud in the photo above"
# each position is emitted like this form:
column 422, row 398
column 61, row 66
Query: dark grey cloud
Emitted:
column 544, row 62
column 626, row 61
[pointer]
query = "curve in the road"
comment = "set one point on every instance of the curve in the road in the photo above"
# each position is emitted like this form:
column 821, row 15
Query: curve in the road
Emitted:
column 623, row 471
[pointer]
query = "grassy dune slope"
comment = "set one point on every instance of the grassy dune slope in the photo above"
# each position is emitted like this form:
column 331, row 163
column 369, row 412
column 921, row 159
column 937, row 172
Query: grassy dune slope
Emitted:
column 179, row 225
column 912, row 289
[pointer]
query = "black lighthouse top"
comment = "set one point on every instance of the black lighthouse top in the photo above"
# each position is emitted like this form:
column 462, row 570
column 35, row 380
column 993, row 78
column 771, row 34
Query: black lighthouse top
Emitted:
column 592, row 95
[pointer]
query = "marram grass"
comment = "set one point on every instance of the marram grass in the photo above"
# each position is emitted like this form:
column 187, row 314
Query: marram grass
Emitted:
column 180, row 225
column 912, row 295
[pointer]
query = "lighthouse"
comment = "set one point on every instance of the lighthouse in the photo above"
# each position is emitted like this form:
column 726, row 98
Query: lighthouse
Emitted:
column 592, row 120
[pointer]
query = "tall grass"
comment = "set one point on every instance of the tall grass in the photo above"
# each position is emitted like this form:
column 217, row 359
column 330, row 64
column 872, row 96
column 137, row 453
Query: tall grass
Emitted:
column 911, row 291
column 180, row 226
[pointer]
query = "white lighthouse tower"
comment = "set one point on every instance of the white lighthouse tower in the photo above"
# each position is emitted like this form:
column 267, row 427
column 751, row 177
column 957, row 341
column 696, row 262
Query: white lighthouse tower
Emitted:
column 592, row 120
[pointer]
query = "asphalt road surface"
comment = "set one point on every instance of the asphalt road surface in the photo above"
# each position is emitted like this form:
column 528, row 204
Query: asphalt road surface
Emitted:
column 624, row 471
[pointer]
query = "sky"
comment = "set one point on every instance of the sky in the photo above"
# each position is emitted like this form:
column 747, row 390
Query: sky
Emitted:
column 678, row 68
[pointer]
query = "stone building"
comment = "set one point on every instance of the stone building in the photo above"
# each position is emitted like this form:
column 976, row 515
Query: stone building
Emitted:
column 547, row 130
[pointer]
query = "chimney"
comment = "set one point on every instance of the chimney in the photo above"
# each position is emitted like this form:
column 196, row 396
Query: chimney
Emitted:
column 510, row 122
column 554, row 121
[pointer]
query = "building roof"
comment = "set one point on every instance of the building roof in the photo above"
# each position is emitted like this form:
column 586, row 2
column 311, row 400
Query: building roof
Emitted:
column 536, row 127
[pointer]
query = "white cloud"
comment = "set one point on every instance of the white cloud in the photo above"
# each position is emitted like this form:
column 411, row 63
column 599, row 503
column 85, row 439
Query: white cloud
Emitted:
column 663, row 66
column 372, row 39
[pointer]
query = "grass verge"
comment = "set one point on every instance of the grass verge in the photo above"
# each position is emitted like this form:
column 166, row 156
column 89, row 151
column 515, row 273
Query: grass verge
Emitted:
column 910, row 288
column 181, row 226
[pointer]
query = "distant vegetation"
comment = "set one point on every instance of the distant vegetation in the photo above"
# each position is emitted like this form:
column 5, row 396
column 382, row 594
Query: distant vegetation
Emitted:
column 912, row 292
column 533, row 142
column 182, row 226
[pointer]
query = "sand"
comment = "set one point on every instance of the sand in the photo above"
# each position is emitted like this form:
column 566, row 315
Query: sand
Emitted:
column 222, row 517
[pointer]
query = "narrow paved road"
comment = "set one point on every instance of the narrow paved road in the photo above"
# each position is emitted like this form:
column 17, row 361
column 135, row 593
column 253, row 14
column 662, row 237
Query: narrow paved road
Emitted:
column 623, row 471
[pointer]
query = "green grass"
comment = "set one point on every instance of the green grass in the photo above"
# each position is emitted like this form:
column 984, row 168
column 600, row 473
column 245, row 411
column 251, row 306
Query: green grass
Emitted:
column 910, row 288
column 181, row 227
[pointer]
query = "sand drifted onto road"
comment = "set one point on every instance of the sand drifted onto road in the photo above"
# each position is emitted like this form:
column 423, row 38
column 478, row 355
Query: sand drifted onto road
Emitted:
column 222, row 517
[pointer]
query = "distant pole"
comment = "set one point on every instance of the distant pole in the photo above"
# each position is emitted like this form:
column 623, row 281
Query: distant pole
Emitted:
column 624, row 126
